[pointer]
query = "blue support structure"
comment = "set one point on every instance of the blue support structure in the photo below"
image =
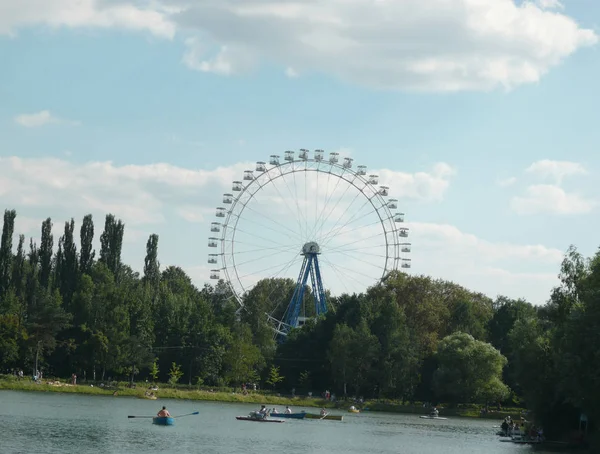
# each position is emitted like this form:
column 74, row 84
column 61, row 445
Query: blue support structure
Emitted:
column 310, row 267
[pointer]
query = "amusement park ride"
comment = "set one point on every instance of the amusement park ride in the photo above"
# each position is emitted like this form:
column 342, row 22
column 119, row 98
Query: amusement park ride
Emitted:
column 308, row 211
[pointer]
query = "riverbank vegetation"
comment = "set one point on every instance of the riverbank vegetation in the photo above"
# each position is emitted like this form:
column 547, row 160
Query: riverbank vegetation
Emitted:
column 65, row 309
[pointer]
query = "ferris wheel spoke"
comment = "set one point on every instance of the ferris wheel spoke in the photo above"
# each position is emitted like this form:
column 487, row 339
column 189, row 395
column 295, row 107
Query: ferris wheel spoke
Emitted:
column 303, row 234
column 354, row 276
column 371, row 264
column 356, row 215
column 333, row 209
column 258, row 259
column 340, row 232
column 268, row 240
column 296, row 234
column 357, row 241
column 278, row 266
column 363, row 248
column 349, row 253
column 359, row 215
column 327, row 197
column 319, row 223
column 258, row 249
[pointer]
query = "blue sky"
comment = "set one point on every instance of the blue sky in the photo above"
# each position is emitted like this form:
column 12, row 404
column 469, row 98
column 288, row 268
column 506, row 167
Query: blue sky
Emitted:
column 95, row 95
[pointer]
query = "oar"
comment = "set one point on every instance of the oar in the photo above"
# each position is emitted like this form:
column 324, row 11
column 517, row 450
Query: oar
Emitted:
column 141, row 416
column 189, row 414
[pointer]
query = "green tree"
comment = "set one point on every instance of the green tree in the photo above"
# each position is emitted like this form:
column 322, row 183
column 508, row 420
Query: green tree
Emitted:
column 469, row 370
column 175, row 374
column 45, row 253
column 274, row 377
column 111, row 243
column 87, row 254
column 154, row 370
column 6, row 257
column 151, row 264
column 243, row 359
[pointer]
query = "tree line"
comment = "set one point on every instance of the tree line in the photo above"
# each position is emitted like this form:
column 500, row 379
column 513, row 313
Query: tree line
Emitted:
column 69, row 310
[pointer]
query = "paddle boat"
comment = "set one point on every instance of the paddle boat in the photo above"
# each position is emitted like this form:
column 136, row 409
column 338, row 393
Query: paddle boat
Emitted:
column 163, row 420
column 250, row 418
column 330, row 417
column 353, row 410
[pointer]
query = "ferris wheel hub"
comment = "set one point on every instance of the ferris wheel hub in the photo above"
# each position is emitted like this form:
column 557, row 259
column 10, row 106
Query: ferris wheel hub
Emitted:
column 311, row 248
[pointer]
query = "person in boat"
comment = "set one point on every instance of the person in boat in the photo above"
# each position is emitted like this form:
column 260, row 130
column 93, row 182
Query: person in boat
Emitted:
column 352, row 408
column 324, row 412
column 434, row 412
column 274, row 411
column 288, row 411
column 261, row 414
column 164, row 413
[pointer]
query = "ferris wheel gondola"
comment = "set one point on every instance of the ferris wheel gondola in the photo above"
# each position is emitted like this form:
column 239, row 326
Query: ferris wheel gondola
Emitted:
column 317, row 220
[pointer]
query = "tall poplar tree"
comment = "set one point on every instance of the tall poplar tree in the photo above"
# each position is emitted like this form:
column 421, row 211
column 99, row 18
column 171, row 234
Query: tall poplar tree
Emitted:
column 111, row 242
column 45, row 251
column 151, row 264
column 87, row 254
column 6, row 250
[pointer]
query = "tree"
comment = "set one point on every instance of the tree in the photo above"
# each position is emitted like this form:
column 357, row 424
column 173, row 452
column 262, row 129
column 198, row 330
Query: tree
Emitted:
column 242, row 359
column 154, row 370
column 6, row 257
column 45, row 253
column 274, row 377
column 351, row 355
column 86, row 256
column 469, row 370
column 67, row 264
column 151, row 264
column 111, row 243
column 175, row 373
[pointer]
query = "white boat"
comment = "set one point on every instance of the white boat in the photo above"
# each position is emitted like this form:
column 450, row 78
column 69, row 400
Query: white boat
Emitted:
column 432, row 417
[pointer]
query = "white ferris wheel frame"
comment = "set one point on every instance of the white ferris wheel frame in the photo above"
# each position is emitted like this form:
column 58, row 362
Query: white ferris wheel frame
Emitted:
column 365, row 184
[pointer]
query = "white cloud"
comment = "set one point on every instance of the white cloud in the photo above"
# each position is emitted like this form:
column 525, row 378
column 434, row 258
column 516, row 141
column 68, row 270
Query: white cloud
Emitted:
column 439, row 45
column 44, row 117
column 291, row 72
column 550, row 4
column 507, row 182
column 556, row 170
column 550, row 199
column 515, row 270
column 130, row 15
column 429, row 186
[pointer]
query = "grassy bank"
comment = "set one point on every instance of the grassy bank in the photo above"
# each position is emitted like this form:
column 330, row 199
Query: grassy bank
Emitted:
column 167, row 392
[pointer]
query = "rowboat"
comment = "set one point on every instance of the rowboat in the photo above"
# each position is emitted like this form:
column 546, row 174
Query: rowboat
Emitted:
column 355, row 410
column 248, row 418
column 432, row 417
column 330, row 417
column 163, row 421
column 289, row 415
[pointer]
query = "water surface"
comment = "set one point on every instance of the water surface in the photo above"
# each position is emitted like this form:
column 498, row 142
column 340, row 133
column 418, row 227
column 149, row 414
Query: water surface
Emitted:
column 54, row 423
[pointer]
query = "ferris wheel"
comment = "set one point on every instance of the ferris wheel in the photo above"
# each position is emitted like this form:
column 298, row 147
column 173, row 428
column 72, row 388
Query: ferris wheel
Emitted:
column 315, row 219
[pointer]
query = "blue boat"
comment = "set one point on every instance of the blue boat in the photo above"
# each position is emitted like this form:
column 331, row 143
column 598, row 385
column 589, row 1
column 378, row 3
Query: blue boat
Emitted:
column 163, row 421
column 290, row 415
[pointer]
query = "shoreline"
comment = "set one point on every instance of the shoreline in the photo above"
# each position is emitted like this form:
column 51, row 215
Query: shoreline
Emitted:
column 250, row 398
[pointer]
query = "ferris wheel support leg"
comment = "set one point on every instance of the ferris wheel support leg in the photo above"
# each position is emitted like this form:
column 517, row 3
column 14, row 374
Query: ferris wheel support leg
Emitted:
column 298, row 296
column 320, row 301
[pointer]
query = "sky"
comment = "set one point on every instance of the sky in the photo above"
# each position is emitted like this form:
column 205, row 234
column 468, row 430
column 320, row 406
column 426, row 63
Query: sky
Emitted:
column 479, row 115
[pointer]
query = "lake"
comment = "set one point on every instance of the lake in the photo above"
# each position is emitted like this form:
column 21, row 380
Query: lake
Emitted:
column 55, row 423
